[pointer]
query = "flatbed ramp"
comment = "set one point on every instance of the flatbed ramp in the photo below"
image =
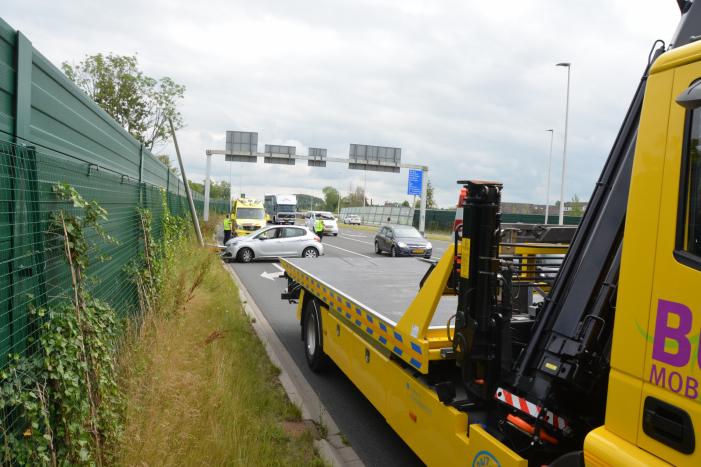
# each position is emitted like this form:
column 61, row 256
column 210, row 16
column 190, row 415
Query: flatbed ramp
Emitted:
column 384, row 287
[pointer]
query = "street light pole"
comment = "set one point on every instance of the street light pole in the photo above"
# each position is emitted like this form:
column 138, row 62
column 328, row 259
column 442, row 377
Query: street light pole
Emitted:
column 547, row 188
column 564, row 148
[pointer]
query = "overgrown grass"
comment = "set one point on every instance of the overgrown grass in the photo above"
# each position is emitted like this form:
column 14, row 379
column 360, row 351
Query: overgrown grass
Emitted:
column 200, row 389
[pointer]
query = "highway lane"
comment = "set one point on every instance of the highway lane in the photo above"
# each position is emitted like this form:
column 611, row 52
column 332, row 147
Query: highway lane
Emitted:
column 366, row 430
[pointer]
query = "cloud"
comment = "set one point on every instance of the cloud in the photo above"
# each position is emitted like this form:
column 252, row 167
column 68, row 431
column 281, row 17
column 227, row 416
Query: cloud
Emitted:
column 466, row 87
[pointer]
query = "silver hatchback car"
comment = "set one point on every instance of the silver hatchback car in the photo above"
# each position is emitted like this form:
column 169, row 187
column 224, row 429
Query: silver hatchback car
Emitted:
column 274, row 242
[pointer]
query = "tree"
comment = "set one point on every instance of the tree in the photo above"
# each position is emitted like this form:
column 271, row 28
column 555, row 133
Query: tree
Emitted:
column 167, row 162
column 331, row 198
column 405, row 204
column 430, row 200
column 217, row 190
column 576, row 206
column 355, row 198
column 139, row 103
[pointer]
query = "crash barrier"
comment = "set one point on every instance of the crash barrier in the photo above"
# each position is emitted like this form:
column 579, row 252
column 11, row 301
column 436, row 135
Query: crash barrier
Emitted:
column 51, row 132
column 377, row 215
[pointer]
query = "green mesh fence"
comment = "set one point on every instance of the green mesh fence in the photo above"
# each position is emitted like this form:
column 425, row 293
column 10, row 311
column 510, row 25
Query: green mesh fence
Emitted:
column 33, row 271
column 32, row 268
column 51, row 132
column 443, row 219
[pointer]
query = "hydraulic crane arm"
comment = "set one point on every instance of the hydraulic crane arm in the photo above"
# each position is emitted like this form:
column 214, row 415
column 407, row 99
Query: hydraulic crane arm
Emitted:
column 568, row 354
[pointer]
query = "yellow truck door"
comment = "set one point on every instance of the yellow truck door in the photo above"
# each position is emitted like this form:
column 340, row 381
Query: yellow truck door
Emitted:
column 670, row 407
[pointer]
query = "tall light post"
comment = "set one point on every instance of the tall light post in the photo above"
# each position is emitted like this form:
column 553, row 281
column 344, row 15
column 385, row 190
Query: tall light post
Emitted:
column 564, row 148
column 547, row 188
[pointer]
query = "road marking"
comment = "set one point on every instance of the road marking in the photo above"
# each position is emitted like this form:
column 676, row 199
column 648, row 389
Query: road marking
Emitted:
column 271, row 275
column 349, row 251
column 353, row 239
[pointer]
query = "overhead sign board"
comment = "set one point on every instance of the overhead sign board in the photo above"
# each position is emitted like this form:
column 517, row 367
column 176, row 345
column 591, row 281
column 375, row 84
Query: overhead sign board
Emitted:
column 276, row 154
column 317, row 157
column 241, row 146
column 415, row 181
column 375, row 158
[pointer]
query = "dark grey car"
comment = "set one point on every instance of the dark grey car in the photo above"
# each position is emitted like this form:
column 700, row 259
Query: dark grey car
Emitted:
column 402, row 240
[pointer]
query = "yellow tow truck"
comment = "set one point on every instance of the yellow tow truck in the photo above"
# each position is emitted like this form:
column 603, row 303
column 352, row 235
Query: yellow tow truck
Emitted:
column 247, row 215
column 604, row 370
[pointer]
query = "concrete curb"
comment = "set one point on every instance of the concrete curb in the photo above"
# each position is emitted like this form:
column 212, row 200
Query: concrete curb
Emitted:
column 332, row 449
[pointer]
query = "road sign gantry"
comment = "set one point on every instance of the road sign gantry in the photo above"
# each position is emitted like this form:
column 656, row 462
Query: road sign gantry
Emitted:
column 246, row 151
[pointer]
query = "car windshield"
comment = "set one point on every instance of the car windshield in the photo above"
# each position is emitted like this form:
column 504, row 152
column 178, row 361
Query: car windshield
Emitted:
column 406, row 232
column 250, row 213
column 327, row 216
column 285, row 208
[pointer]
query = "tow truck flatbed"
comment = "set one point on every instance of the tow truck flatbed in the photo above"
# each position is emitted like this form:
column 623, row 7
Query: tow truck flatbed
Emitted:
column 384, row 287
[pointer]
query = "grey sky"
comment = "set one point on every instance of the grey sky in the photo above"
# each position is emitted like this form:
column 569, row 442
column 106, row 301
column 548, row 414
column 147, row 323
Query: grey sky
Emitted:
column 467, row 87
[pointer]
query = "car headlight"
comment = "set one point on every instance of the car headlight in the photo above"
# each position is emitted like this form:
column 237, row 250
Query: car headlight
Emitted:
column 401, row 244
column 429, row 246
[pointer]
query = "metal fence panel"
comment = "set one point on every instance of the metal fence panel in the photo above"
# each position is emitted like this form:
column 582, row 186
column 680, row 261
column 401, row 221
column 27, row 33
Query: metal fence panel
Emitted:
column 378, row 215
column 51, row 132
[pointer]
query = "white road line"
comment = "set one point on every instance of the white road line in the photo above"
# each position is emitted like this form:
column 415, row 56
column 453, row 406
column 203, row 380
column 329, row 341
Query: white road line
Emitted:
column 349, row 251
column 353, row 239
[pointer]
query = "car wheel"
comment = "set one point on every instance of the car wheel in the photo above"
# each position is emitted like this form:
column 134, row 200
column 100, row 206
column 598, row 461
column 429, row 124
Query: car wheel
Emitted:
column 311, row 334
column 393, row 252
column 336, row 234
column 427, row 256
column 245, row 255
column 377, row 249
column 310, row 252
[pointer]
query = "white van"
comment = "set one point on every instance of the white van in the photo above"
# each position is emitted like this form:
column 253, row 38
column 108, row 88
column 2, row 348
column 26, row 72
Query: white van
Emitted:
column 330, row 224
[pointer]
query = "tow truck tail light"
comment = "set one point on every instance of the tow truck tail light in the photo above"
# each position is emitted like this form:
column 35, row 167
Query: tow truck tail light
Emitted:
column 461, row 198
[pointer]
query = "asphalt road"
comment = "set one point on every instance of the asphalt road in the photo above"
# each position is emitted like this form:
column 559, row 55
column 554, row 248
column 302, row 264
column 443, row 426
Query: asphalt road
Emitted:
column 365, row 429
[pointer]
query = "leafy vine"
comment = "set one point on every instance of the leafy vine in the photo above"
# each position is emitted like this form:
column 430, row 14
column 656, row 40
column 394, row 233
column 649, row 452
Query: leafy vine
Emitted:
column 64, row 396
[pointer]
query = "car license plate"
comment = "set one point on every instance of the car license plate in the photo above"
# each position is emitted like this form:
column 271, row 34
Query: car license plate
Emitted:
column 418, row 251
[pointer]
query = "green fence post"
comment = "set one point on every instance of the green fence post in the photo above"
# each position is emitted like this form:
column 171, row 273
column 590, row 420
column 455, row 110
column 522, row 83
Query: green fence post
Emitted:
column 20, row 246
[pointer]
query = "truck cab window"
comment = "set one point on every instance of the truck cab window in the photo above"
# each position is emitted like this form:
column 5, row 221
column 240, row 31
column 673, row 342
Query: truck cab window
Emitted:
column 690, row 215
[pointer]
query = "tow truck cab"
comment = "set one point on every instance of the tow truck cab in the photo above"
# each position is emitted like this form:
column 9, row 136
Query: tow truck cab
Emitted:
column 247, row 215
column 653, row 406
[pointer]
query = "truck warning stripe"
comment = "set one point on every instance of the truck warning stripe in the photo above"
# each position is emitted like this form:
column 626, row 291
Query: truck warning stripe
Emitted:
column 530, row 408
column 403, row 346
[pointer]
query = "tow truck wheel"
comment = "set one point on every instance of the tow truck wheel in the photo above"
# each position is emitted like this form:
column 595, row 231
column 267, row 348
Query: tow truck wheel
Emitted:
column 245, row 255
column 393, row 252
column 313, row 345
column 377, row 249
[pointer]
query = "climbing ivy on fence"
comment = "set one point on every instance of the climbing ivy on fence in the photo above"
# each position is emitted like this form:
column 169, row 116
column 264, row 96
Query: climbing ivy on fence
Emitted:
column 150, row 268
column 64, row 395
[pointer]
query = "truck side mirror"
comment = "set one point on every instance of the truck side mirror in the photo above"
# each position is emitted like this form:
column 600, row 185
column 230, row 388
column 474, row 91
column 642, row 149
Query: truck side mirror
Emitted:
column 691, row 98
